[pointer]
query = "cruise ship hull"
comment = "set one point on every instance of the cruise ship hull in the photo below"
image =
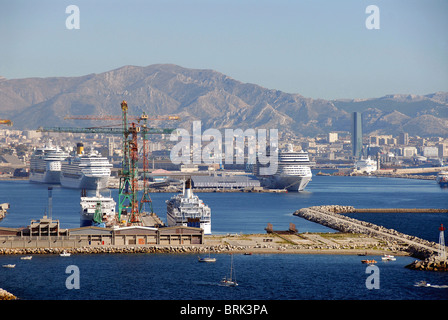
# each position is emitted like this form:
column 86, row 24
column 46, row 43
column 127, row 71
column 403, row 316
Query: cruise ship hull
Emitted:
column 85, row 182
column 45, row 177
column 204, row 225
column 290, row 183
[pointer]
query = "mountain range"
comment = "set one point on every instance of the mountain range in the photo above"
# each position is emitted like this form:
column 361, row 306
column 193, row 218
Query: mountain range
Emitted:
column 214, row 98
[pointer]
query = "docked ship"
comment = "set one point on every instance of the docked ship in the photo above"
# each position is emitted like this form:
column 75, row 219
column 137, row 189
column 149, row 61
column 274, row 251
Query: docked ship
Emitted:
column 293, row 171
column 188, row 210
column 366, row 165
column 89, row 171
column 442, row 178
column 45, row 164
column 98, row 211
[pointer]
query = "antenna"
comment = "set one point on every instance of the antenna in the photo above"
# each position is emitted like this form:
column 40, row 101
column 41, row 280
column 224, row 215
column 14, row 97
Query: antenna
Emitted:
column 50, row 202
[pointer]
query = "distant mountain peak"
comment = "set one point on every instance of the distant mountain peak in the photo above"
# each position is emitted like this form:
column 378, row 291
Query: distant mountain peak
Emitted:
column 213, row 97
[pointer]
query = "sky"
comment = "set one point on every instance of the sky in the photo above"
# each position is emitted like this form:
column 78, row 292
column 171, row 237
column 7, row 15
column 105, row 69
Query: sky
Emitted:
column 316, row 48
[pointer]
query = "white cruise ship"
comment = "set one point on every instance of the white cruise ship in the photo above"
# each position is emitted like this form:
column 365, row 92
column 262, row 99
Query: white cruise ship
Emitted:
column 366, row 165
column 293, row 172
column 97, row 210
column 45, row 164
column 85, row 171
column 188, row 210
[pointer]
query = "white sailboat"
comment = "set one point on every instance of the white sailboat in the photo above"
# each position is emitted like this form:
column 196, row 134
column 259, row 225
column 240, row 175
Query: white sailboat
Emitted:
column 231, row 280
column 207, row 259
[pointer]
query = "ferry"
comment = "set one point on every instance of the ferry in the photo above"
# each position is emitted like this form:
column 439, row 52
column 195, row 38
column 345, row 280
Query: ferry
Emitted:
column 97, row 210
column 45, row 164
column 188, row 210
column 442, row 178
column 366, row 165
column 89, row 171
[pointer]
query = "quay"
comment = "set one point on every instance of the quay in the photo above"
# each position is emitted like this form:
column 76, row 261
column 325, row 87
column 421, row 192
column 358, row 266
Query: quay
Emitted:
column 354, row 237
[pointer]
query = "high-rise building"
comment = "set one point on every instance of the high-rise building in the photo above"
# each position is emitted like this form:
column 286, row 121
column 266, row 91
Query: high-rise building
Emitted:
column 356, row 134
column 403, row 138
column 332, row 137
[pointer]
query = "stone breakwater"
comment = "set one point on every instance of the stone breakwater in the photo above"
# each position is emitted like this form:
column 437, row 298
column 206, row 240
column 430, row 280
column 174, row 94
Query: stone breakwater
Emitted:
column 330, row 216
column 432, row 263
column 128, row 249
column 5, row 295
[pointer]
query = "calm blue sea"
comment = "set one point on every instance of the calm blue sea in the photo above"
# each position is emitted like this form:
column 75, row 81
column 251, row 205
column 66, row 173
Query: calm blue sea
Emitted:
column 261, row 277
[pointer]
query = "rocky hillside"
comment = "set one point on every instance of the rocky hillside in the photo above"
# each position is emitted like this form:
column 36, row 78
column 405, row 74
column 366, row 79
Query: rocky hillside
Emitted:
column 216, row 99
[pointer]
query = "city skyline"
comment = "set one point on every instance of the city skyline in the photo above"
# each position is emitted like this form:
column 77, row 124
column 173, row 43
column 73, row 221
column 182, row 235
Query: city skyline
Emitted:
column 317, row 49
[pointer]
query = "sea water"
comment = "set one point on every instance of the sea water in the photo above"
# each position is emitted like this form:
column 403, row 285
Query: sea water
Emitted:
column 260, row 276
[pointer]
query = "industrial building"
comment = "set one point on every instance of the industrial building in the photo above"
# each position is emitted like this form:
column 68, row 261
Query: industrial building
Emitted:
column 221, row 181
column 46, row 233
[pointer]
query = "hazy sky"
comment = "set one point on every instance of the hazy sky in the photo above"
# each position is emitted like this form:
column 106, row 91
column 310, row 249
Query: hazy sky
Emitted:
column 320, row 49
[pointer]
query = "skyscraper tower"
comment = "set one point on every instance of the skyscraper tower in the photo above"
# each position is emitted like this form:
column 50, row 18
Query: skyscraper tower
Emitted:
column 356, row 134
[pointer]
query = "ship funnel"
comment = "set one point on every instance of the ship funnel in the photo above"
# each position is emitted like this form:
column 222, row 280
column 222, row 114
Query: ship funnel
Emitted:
column 79, row 148
column 188, row 191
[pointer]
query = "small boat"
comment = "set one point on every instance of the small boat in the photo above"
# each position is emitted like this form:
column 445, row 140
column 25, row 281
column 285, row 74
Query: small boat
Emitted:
column 368, row 261
column 65, row 254
column 247, row 253
column 388, row 257
column 26, row 258
column 206, row 259
column 422, row 284
column 231, row 280
column 9, row 266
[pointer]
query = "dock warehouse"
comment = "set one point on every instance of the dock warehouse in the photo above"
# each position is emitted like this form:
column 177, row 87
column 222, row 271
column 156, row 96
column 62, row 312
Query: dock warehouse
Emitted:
column 94, row 236
column 225, row 181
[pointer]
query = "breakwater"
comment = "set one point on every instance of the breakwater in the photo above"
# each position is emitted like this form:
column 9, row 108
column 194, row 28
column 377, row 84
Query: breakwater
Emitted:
column 330, row 216
column 5, row 295
column 399, row 210
column 125, row 249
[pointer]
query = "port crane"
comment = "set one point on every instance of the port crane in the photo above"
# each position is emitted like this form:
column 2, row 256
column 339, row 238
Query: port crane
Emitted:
column 86, row 117
column 128, row 183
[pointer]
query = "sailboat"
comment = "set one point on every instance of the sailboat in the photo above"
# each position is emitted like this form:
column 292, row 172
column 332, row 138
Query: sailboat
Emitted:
column 207, row 259
column 231, row 281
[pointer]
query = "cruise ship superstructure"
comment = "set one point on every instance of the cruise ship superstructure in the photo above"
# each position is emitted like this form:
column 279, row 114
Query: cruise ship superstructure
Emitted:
column 89, row 171
column 188, row 210
column 45, row 164
column 293, row 171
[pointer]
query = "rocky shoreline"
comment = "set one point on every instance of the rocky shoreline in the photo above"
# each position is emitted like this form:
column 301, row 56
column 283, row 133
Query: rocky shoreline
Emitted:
column 432, row 263
column 5, row 295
